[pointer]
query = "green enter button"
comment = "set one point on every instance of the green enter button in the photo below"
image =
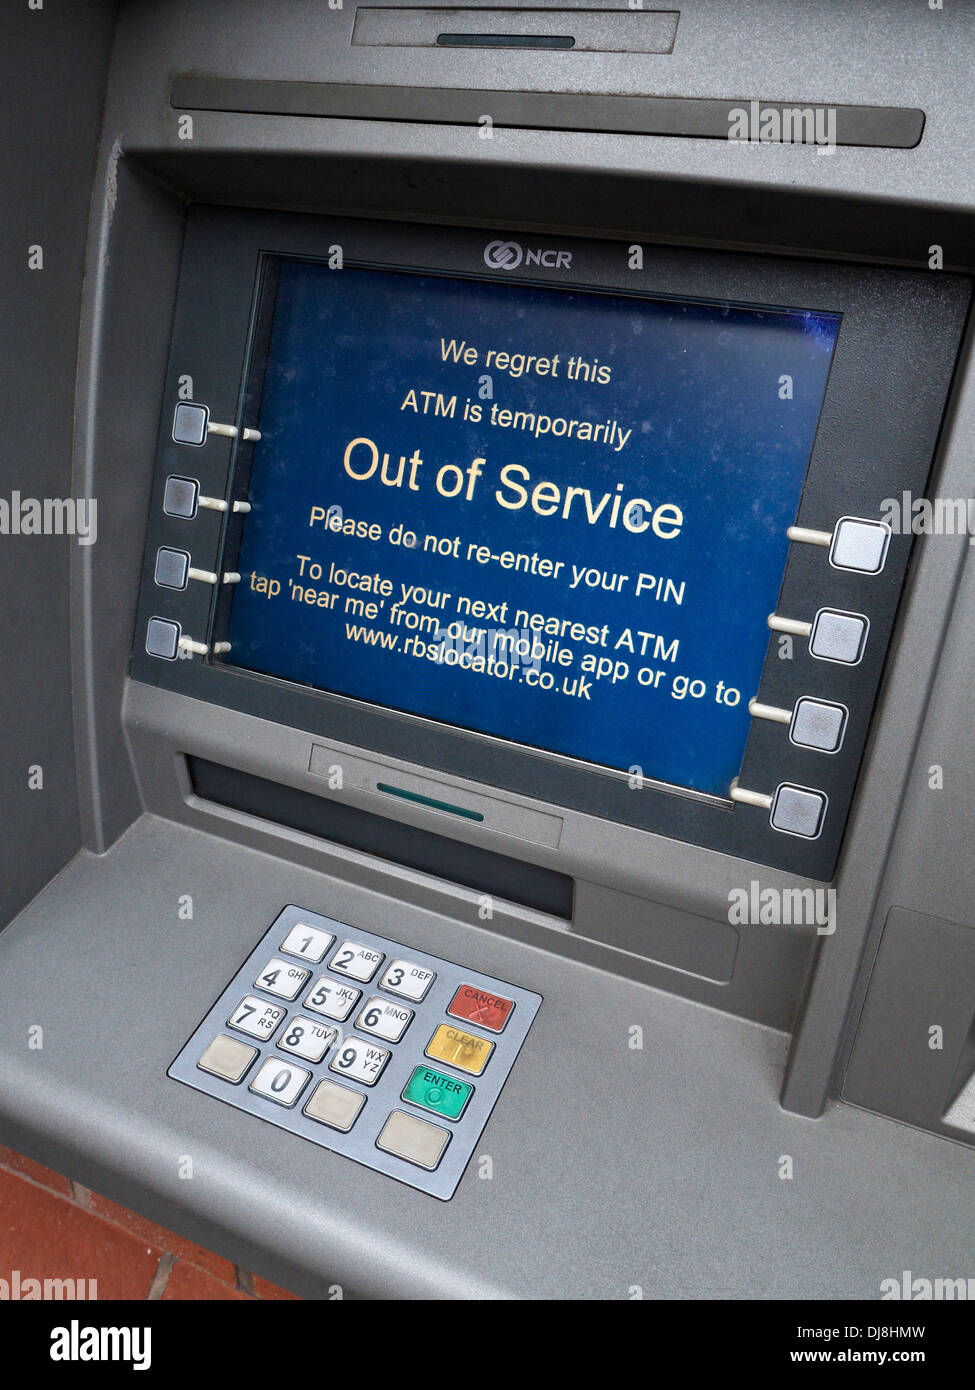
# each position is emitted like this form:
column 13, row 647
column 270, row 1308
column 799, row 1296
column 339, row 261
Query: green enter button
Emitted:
column 444, row 1095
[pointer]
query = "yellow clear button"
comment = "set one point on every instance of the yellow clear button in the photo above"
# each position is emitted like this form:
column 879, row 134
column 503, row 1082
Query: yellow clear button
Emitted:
column 455, row 1048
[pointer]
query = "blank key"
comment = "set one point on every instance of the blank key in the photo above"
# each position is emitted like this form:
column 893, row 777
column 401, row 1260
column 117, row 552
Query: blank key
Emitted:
column 415, row 1140
column 227, row 1057
column 334, row 1105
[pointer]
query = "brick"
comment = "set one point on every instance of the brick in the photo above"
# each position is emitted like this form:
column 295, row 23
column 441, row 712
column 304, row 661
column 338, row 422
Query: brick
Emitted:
column 187, row 1282
column 163, row 1239
column 19, row 1163
column 46, row 1236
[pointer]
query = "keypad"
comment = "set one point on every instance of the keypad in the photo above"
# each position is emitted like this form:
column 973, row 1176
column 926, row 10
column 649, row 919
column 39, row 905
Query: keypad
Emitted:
column 400, row 1076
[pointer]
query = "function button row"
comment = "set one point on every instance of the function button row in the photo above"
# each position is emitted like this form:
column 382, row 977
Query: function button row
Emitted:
column 405, row 1136
column 283, row 979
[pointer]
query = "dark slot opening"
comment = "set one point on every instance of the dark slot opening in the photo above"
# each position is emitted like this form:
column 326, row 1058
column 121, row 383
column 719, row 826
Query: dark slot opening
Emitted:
column 483, row 870
column 505, row 41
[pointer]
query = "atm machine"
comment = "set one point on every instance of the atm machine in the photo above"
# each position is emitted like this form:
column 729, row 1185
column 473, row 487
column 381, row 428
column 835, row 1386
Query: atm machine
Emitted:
column 487, row 551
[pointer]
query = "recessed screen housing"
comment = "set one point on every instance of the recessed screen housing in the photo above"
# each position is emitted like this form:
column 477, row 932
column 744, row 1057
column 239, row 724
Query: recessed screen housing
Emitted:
column 518, row 513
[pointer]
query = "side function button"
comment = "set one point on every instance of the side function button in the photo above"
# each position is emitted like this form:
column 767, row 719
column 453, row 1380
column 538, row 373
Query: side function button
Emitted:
column 838, row 636
column 190, row 423
column 798, row 810
column 172, row 568
column 818, row 724
column 859, row 545
column 181, row 497
column 162, row 638
column 479, row 1006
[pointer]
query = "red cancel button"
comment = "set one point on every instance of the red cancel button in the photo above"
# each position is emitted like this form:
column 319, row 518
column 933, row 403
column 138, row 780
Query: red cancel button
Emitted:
column 475, row 1005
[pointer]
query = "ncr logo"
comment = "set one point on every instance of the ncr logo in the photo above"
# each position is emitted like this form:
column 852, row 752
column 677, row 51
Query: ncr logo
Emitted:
column 508, row 255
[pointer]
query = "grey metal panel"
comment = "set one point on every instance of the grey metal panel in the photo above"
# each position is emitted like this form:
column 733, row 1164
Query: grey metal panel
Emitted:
column 690, row 117
column 612, row 1167
column 593, row 31
column 907, row 846
column 133, row 257
column 650, row 910
column 860, row 203
column 49, row 152
column 923, row 979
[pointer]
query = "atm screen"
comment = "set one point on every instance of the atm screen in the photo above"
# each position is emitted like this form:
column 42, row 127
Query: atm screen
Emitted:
column 552, row 517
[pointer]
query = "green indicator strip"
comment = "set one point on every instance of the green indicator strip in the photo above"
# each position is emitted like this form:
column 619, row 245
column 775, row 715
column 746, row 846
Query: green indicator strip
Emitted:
column 429, row 801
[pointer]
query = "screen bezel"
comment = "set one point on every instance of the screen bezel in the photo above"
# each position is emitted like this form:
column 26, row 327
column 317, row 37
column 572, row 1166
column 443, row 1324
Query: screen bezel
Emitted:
column 880, row 408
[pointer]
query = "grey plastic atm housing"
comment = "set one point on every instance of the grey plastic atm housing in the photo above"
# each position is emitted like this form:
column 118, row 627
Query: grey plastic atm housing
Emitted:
column 615, row 1166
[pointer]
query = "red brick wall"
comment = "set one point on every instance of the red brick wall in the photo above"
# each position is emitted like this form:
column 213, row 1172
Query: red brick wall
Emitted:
column 52, row 1228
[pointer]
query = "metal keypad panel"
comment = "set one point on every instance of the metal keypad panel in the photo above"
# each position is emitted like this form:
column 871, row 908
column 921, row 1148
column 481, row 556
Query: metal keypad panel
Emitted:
column 390, row 1056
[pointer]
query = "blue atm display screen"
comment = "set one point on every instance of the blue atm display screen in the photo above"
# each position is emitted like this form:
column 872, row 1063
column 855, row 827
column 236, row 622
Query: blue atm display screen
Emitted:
column 555, row 517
